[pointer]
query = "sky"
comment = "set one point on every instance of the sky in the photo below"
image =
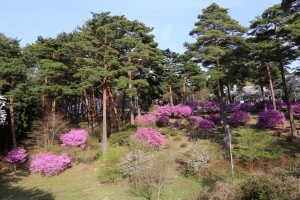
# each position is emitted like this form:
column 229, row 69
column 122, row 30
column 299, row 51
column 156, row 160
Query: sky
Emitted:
column 172, row 20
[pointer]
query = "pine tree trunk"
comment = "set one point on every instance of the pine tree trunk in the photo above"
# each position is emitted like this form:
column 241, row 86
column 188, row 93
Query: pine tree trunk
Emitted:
column 94, row 108
column 111, row 98
column 271, row 86
column 130, row 98
column 88, row 110
column 53, row 108
column 12, row 115
column 229, row 95
column 184, row 91
column 104, row 121
column 171, row 96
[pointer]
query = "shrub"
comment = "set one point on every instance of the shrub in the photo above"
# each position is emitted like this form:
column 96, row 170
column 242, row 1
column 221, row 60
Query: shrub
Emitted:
column 296, row 109
column 121, row 138
column 145, row 119
column 192, row 161
column 16, row 156
column 182, row 110
column 195, row 119
column 183, row 145
column 163, row 121
column 211, row 107
column 214, row 118
column 239, row 118
column 252, row 146
column 177, row 138
column 49, row 164
column 151, row 136
column 260, row 105
column 164, row 110
column 110, row 170
column 177, row 123
column 233, row 107
column 75, row 138
column 205, row 126
column 193, row 104
column 270, row 119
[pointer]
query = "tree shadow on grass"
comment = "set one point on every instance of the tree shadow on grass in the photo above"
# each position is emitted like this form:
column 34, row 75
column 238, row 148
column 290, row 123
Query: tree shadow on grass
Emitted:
column 10, row 192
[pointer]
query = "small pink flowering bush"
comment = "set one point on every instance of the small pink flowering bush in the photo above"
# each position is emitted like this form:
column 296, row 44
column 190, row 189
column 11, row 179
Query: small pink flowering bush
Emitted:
column 205, row 126
column 182, row 110
column 239, row 118
column 150, row 135
column 211, row 107
column 214, row 118
column 75, row 137
column 296, row 109
column 163, row 110
column 145, row 119
column 16, row 156
column 270, row 119
column 49, row 164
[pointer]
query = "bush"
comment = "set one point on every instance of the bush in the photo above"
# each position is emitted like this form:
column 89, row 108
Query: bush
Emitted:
column 121, row 138
column 177, row 138
column 177, row 123
column 74, row 138
column 164, row 110
column 145, row 119
column 296, row 109
column 270, row 119
column 163, row 121
column 193, row 104
column 205, row 126
column 214, row 118
column 195, row 119
column 182, row 110
column 49, row 164
column 183, row 145
column 239, row 118
column 16, row 156
column 151, row 136
column 211, row 107
column 253, row 146
column 110, row 170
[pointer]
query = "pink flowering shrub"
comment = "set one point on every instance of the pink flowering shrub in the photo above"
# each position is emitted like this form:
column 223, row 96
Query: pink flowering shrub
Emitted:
column 270, row 119
column 145, row 119
column 211, row 107
column 162, row 121
column 177, row 123
column 214, row 118
column 233, row 107
column 163, row 110
column 195, row 119
column 16, row 156
column 182, row 110
column 150, row 135
column 49, row 164
column 296, row 109
column 239, row 118
column 75, row 137
column 205, row 126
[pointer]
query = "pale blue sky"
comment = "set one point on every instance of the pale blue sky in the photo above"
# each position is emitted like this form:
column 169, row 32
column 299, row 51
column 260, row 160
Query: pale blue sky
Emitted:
column 172, row 20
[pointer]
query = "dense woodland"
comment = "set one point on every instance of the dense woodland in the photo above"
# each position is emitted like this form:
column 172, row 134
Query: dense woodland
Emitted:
column 109, row 71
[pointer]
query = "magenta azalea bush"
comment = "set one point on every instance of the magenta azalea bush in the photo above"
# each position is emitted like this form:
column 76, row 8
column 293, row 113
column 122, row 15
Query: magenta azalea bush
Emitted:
column 233, row 107
column 75, row 138
column 163, row 120
column 182, row 110
column 49, row 164
column 214, row 118
column 163, row 110
column 150, row 135
column 296, row 109
column 177, row 123
column 211, row 107
column 270, row 119
column 194, row 119
column 239, row 118
column 205, row 126
column 147, row 119
column 16, row 156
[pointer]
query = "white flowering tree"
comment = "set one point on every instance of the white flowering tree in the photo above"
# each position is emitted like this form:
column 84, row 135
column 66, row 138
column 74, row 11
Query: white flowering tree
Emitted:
column 2, row 111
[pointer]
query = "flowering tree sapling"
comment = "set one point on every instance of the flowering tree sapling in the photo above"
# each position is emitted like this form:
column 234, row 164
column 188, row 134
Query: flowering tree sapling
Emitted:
column 211, row 107
column 49, row 164
column 270, row 119
column 182, row 110
column 214, row 118
column 239, row 118
column 150, row 135
column 205, row 126
column 75, row 137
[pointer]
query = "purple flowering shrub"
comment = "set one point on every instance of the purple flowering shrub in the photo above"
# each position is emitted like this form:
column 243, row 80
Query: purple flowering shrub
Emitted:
column 16, row 156
column 214, row 118
column 75, row 138
column 194, row 119
column 270, row 119
column 49, row 164
column 193, row 104
column 233, row 107
column 211, row 107
column 245, row 107
column 260, row 105
column 239, row 118
column 145, row 119
column 205, row 126
column 150, row 135
column 182, row 110
column 163, row 110
column 296, row 109
column 163, row 120
column 177, row 123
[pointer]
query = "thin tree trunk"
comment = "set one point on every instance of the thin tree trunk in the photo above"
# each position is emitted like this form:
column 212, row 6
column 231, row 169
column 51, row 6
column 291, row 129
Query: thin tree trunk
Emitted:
column 229, row 95
column 88, row 110
column 184, row 90
column 45, row 120
column 130, row 98
column 94, row 108
column 271, row 86
column 104, row 121
column 171, row 96
column 53, row 108
column 111, row 98
column 12, row 115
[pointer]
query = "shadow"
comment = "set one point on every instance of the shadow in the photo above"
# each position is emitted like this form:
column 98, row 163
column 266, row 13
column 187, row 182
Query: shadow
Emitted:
column 10, row 192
